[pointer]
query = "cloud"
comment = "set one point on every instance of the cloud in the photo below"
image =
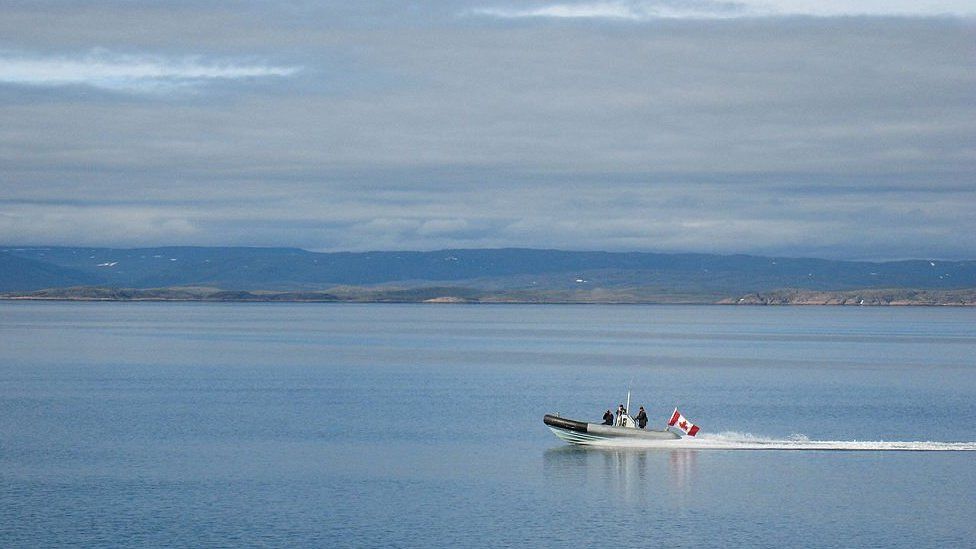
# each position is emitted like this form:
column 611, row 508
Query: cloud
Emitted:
column 128, row 73
column 671, row 215
column 645, row 10
column 845, row 137
column 140, row 224
column 630, row 11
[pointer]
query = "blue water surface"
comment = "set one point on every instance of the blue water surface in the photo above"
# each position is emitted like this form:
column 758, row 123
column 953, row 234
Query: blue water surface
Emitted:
column 125, row 424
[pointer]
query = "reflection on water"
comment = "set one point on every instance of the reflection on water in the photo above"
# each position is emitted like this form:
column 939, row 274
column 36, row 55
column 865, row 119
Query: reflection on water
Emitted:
column 632, row 475
column 682, row 466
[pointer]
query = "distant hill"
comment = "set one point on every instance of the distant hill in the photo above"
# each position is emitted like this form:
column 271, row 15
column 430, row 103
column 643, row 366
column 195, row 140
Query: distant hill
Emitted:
column 466, row 275
column 18, row 273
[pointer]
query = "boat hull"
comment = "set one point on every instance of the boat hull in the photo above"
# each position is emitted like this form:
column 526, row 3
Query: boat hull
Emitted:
column 578, row 432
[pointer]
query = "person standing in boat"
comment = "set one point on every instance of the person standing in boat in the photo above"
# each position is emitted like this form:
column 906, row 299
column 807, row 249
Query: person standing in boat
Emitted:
column 608, row 418
column 641, row 418
column 621, row 412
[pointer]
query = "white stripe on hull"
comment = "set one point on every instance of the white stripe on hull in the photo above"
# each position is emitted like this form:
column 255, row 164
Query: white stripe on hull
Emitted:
column 603, row 435
column 576, row 437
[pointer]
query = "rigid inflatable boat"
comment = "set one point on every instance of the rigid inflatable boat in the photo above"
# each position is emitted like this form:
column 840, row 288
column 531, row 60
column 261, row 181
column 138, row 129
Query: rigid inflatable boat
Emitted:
column 622, row 430
column 579, row 432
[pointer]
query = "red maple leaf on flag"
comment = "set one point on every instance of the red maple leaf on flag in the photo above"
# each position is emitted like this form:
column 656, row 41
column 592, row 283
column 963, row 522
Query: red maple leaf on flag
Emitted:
column 683, row 425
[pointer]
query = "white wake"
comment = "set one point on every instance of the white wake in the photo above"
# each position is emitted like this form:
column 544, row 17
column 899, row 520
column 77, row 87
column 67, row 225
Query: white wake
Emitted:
column 747, row 441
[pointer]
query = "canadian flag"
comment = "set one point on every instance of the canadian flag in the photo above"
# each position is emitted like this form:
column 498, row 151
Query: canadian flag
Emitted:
column 681, row 422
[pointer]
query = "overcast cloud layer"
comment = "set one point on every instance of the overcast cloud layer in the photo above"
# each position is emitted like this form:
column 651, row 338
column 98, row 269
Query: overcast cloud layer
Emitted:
column 833, row 129
column 130, row 73
column 643, row 10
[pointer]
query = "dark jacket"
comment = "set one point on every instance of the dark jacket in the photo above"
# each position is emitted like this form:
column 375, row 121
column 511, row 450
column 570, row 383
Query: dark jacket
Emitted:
column 641, row 419
column 608, row 418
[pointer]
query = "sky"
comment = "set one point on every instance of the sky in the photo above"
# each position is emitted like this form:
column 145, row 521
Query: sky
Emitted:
column 830, row 128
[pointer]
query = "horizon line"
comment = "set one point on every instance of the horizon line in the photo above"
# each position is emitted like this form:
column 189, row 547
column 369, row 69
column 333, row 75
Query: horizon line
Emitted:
column 7, row 248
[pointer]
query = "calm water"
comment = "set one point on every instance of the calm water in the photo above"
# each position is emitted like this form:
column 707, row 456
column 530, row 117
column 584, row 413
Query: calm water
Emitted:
column 389, row 425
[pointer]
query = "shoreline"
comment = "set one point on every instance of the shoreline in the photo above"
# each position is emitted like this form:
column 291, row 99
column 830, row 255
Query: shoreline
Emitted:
column 459, row 295
column 474, row 302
